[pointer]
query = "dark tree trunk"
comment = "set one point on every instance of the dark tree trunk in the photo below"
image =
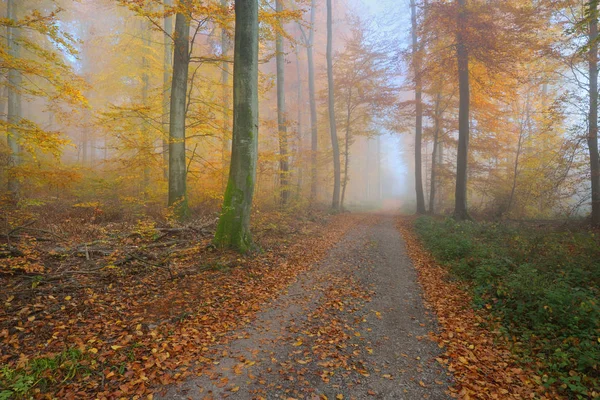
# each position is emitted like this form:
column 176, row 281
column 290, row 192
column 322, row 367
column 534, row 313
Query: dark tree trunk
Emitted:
column 419, row 112
column 335, row 203
column 593, row 117
column 462, row 56
column 233, row 229
column 177, row 164
column 434, row 155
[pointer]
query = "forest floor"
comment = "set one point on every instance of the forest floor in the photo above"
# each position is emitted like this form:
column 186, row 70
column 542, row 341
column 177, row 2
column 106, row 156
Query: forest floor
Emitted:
column 332, row 307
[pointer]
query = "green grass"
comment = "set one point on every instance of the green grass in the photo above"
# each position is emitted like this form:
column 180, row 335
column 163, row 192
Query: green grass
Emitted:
column 40, row 373
column 543, row 284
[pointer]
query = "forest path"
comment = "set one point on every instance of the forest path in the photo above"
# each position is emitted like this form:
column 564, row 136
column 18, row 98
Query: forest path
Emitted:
column 353, row 327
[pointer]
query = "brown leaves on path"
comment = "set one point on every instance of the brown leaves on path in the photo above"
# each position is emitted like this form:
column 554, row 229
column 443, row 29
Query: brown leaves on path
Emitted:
column 139, row 331
column 480, row 359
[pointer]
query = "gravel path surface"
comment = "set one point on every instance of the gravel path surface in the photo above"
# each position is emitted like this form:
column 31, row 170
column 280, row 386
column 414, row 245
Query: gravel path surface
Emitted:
column 354, row 327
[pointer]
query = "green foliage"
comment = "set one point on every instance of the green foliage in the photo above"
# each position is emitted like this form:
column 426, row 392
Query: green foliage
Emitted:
column 38, row 373
column 543, row 284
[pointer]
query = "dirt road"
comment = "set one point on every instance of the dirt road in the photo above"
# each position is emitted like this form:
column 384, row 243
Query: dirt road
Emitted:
column 354, row 327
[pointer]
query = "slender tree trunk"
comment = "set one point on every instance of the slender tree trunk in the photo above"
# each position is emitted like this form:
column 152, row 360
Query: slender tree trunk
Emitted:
column 419, row 111
column 522, row 128
column 177, row 164
column 147, row 145
column 225, row 144
column 300, row 136
column 3, row 99
column 434, row 154
column 593, row 117
column 347, row 148
column 281, row 114
column 233, row 229
column 166, row 103
column 335, row 203
column 14, row 100
column 462, row 56
column 314, row 137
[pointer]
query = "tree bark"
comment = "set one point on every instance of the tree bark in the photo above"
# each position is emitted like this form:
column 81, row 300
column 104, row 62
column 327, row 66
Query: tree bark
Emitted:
column 233, row 230
column 593, row 115
column 147, row 145
column 462, row 57
column 335, row 203
column 281, row 114
column 419, row 111
column 14, row 100
column 314, row 137
column 177, row 164
column 434, row 155
column 347, row 147
column 225, row 144
column 168, row 65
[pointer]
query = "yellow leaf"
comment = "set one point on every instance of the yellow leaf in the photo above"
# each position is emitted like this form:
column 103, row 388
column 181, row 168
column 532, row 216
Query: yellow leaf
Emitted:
column 31, row 318
column 235, row 389
column 115, row 347
column 68, row 298
column 463, row 360
column 298, row 343
column 340, row 397
column 93, row 350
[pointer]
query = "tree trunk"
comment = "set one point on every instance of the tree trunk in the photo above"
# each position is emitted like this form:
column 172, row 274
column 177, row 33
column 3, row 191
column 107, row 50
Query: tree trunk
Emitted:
column 522, row 128
column 593, row 117
column 233, row 229
column 225, row 144
column 434, row 155
column 168, row 65
column 14, row 100
column 147, row 145
column 347, row 148
column 335, row 203
column 300, row 135
column 281, row 114
column 462, row 56
column 419, row 111
column 314, row 137
column 177, row 164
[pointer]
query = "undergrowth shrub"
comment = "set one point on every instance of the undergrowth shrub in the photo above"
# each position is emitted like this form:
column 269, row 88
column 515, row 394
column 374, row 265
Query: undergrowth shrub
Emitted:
column 543, row 284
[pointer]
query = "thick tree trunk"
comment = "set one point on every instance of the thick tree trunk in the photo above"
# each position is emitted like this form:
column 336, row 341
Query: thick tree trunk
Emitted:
column 462, row 56
column 233, row 229
column 177, row 164
column 168, row 65
column 335, row 203
column 225, row 140
column 314, row 137
column 419, row 112
column 593, row 117
column 14, row 100
column 434, row 155
column 281, row 115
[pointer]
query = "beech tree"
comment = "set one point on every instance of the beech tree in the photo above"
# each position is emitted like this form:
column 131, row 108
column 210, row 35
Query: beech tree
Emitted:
column 178, row 111
column 416, row 64
column 335, row 203
column 281, row 111
column 233, row 229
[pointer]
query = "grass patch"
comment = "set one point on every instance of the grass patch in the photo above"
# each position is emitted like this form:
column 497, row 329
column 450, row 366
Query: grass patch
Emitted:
column 40, row 373
column 543, row 284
